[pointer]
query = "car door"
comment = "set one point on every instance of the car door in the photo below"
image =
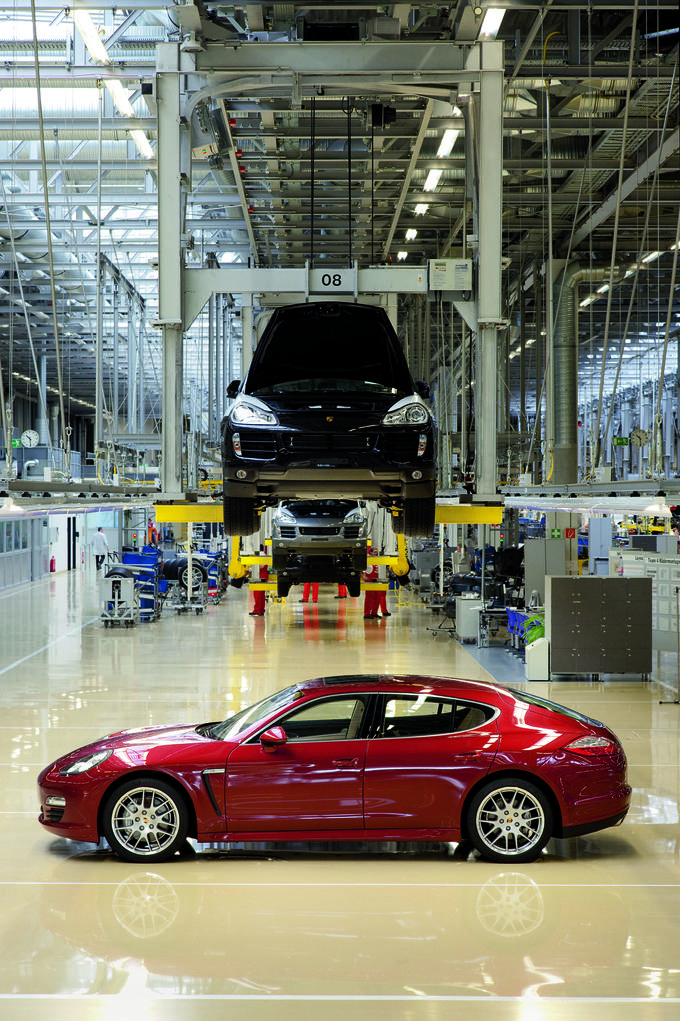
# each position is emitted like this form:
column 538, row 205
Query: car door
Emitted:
column 312, row 782
column 425, row 753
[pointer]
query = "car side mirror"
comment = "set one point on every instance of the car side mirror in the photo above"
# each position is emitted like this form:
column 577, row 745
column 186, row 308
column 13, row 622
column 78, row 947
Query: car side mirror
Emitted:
column 422, row 388
column 273, row 738
column 232, row 389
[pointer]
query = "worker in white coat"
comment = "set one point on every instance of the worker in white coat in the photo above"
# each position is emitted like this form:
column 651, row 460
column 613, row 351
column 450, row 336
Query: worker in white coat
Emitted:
column 100, row 547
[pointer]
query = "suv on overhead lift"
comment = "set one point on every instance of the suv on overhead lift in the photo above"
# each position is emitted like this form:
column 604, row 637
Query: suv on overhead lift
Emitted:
column 319, row 540
column 329, row 409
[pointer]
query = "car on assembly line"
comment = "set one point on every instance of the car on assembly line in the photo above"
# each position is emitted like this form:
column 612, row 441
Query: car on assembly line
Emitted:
column 354, row 757
column 329, row 409
column 319, row 540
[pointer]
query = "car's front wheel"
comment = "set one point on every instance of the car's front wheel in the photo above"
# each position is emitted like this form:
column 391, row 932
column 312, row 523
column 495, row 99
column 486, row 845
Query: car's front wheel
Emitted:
column 509, row 820
column 419, row 512
column 145, row 821
column 240, row 515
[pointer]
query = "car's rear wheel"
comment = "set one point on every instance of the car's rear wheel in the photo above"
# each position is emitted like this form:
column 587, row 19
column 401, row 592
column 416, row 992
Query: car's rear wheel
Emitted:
column 509, row 820
column 240, row 516
column 419, row 516
column 282, row 586
column 354, row 587
column 145, row 821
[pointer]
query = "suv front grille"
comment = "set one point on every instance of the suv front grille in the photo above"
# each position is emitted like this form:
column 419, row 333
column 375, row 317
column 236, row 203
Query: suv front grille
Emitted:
column 328, row 443
column 399, row 446
column 353, row 531
column 260, row 445
column 320, row 530
column 287, row 531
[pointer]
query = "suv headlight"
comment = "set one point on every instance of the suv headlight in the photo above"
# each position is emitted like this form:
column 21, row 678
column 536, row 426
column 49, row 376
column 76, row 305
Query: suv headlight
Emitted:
column 354, row 517
column 407, row 414
column 87, row 762
column 252, row 413
column 284, row 517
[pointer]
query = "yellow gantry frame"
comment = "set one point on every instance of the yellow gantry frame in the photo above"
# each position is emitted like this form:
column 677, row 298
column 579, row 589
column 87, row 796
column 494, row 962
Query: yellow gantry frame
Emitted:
column 464, row 513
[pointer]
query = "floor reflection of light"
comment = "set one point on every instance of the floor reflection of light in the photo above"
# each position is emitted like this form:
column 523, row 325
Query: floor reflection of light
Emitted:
column 536, row 990
column 653, row 982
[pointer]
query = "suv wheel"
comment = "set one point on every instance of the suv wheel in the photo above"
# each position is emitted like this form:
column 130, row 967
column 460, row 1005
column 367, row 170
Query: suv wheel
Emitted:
column 397, row 522
column 419, row 516
column 354, row 587
column 240, row 516
column 282, row 586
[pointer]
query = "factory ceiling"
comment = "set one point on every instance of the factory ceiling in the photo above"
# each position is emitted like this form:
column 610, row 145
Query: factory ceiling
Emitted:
column 376, row 176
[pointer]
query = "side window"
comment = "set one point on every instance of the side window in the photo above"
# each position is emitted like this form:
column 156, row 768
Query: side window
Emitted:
column 334, row 719
column 425, row 715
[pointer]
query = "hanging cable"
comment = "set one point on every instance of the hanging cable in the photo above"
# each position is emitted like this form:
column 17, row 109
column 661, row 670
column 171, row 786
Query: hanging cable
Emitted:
column 638, row 261
column 617, row 213
column 48, row 228
column 349, row 181
column 312, row 146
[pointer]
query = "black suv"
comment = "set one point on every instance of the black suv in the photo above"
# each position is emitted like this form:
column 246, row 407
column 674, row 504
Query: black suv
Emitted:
column 319, row 540
column 329, row 409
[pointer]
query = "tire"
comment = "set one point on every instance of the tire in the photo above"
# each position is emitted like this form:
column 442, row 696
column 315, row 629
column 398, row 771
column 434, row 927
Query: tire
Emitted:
column 145, row 821
column 509, row 820
column 354, row 587
column 240, row 516
column 119, row 572
column 419, row 516
column 198, row 572
column 283, row 586
column 397, row 523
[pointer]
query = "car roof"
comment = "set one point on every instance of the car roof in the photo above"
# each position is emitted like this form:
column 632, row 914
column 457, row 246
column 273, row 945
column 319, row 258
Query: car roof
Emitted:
column 407, row 682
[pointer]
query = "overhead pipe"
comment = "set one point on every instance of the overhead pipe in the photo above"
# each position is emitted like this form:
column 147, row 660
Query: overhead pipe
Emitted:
column 565, row 369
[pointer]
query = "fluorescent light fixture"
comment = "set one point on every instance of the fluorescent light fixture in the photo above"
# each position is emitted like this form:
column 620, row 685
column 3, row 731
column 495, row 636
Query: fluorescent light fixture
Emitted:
column 401, row 256
column 676, row 245
column 411, row 234
column 118, row 93
column 491, row 23
column 91, row 37
column 142, row 143
column 432, row 180
column 603, row 289
column 652, row 256
column 447, row 143
column 587, row 301
column 421, row 208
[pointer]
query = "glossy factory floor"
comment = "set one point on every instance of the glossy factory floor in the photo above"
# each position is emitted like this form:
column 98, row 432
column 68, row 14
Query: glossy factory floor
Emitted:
column 590, row 930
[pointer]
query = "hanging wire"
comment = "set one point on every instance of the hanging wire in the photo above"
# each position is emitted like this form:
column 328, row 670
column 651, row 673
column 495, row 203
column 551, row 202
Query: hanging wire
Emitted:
column 617, row 213
column 638, row 261
column 48, row 227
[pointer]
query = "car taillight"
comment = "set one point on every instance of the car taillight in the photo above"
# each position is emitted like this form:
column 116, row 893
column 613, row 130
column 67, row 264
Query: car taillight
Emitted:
column 592, row 745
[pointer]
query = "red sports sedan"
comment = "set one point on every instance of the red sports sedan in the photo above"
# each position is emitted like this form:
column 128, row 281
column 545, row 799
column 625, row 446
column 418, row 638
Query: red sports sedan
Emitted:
column 357, row 757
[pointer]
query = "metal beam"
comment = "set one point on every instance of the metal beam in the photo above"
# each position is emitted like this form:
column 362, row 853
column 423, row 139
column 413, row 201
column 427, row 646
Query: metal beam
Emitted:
column 645, row 170
column 406, row 184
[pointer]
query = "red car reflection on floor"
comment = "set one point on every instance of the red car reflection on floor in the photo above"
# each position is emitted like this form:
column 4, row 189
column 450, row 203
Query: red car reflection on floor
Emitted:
column 356, row 757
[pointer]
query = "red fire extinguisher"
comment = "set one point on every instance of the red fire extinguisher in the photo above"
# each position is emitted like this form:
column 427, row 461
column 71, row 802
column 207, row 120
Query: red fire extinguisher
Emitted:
column 53, row 564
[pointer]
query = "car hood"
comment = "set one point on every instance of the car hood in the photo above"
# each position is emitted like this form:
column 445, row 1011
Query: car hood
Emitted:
column 324, row 403
column 153, row 746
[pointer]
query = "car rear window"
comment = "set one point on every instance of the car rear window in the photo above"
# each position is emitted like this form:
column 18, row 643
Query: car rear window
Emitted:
column 563, row 710
column 343, row 349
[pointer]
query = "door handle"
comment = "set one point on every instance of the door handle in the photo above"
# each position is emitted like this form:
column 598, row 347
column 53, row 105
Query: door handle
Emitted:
column 345, row 762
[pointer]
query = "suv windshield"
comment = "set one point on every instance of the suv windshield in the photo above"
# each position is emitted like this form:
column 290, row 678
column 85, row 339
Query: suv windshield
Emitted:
column 321, row 508
column 332, row 348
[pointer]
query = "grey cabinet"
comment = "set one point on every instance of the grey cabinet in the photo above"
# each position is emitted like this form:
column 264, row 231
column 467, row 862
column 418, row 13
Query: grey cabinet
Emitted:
column 599, row 625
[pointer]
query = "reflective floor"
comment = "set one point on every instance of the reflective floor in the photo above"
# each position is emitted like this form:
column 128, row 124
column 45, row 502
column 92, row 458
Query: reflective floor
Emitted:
column 259, row 932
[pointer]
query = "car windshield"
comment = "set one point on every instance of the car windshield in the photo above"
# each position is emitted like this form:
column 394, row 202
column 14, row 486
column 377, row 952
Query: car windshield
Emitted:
column 544, row 703
column 253, row 714
column 317, row 351
column 321, row 508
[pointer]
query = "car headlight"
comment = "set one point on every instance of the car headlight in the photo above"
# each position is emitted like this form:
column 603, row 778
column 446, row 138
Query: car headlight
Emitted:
column 354, row 518
column 251, row 413
column 408, row 414
column 284, row 517
column 87, row 762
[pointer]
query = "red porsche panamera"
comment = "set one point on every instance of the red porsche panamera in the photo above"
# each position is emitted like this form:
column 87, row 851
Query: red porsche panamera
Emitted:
column 357, row 757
